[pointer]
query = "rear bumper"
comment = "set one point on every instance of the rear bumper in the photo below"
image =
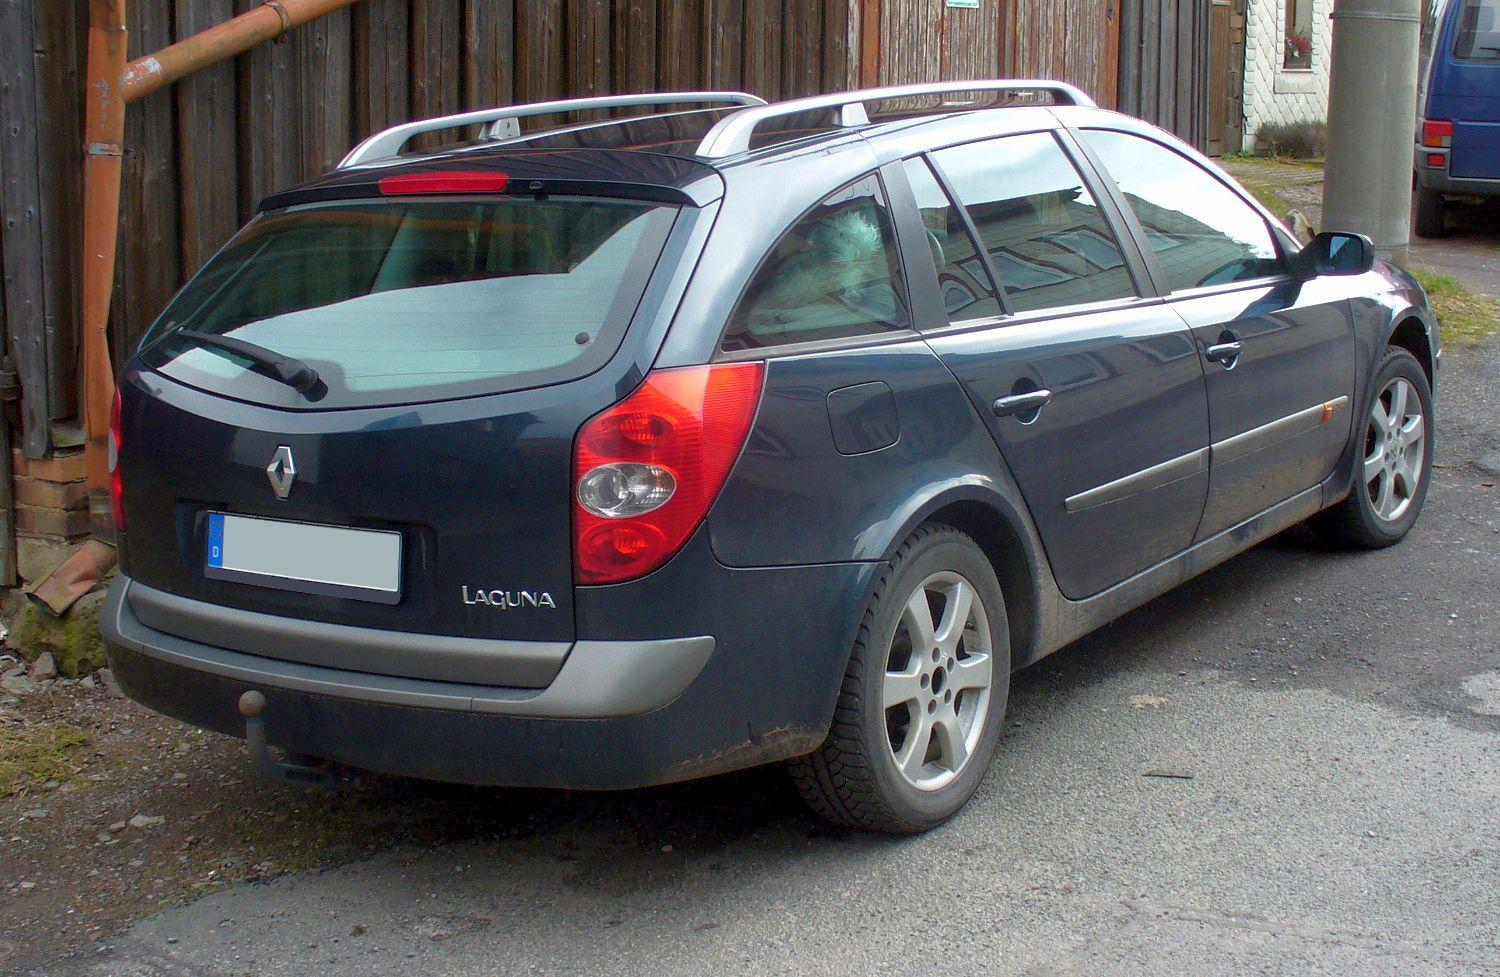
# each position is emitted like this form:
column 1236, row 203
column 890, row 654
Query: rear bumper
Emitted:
column 753, row 681
column 1439, row 179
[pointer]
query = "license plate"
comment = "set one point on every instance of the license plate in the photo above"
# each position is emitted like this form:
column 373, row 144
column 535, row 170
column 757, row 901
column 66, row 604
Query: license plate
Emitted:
column 329, row 560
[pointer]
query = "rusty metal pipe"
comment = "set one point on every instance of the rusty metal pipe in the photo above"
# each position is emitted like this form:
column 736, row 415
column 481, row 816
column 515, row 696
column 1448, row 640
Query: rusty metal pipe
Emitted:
column 104, row 135
column 220, row 42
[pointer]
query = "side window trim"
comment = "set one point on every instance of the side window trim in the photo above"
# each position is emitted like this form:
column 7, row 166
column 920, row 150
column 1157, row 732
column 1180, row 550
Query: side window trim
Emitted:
column 922, row 289
column 1138, row 233
column 1129, row 235
column 971, row 229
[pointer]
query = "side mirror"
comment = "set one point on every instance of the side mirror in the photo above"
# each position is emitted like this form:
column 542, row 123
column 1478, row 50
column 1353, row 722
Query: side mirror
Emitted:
column 1335, row 253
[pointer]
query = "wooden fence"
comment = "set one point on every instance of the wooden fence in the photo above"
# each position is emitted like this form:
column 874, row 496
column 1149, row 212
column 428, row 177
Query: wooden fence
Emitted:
column 1165, row 61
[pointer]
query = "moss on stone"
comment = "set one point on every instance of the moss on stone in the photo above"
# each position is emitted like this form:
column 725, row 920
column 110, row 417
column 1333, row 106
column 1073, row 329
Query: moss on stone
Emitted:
column 73, row 639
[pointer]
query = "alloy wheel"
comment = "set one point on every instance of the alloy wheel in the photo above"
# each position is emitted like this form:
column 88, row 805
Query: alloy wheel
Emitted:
column 1394, row 449
column 937, row 682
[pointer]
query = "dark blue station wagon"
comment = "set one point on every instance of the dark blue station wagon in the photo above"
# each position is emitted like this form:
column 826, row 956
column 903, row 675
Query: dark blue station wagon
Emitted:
column 640, row 450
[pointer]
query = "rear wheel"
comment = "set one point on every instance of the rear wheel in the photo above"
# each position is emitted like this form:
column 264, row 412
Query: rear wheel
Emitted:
column 923, row 699
column 1431, row 213
column 1394, row 462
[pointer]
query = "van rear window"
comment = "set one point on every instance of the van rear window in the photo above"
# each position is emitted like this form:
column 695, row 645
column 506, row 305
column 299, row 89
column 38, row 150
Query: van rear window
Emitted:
column 399, row 301
column 1478, row 34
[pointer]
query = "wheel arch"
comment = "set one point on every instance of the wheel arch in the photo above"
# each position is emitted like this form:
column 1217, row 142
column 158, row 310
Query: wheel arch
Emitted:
column 986, row 513
column 1410, row 331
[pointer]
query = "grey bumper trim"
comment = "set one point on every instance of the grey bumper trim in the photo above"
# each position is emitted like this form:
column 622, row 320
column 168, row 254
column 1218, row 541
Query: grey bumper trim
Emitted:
column 440, row 658
column 598, row 679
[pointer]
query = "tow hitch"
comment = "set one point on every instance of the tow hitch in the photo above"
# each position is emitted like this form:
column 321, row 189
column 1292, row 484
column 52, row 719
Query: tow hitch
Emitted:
column 317, row 773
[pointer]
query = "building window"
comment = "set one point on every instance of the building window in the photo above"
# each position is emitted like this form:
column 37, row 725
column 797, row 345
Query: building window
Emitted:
column 1297, row 47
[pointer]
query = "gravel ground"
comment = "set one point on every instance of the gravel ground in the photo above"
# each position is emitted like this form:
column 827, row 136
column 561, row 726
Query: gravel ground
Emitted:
column 1333, row 719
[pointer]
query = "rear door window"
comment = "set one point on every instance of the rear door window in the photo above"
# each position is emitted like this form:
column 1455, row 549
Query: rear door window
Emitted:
column 1201, row 231
column 1478, row 34
column 1048, row 241
column 834, row 275
column 399, row 301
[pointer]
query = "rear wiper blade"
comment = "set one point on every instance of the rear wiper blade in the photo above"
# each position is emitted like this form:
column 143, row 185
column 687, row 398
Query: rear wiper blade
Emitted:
column 288, row 369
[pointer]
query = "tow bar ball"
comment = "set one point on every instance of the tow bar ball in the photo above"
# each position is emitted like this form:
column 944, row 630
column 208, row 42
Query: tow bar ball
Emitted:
column 315, row 773
column 252, row 704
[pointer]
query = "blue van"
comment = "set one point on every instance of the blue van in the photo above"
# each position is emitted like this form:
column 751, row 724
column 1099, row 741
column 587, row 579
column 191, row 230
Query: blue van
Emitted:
column 1458, row 133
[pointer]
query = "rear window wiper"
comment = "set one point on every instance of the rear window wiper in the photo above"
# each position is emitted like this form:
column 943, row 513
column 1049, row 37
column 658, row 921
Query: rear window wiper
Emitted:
column 287, row 369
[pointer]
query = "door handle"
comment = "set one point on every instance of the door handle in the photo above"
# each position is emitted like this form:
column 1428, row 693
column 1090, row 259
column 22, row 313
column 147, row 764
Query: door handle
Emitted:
column 1225, row 353
column 1033, row 400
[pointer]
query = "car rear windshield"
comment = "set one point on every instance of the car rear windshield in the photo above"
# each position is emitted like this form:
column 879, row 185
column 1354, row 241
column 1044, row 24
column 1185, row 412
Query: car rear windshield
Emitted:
column 1478, row 35
column 401, row 301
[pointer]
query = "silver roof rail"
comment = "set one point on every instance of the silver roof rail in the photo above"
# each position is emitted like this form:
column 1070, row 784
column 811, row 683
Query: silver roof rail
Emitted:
column 504, row 122
column 731, row 136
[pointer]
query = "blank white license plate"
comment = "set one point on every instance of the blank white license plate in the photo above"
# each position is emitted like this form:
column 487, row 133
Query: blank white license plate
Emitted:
column 328, row 560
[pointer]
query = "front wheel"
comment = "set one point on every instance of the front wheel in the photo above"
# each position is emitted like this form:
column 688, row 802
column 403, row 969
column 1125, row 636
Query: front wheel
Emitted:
column 923, row 699
column 1394, row 464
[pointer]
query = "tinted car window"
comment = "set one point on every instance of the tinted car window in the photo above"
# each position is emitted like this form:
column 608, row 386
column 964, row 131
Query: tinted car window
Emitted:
column 1200, row 230
column 1046, row 237
column 1478, row 35
column 834, row 274
column 966, row 288
column 385, row 298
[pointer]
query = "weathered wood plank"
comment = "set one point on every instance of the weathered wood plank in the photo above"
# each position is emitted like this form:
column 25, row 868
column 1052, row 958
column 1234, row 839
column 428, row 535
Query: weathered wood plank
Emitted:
column 207, row 143
column 382, row 64
column 149, row 266
column 59, row 102
column 633, row 60
column 436, row 58
column 270, row 102
column 801, row 61
column 325, row 51
column 679, row 58
column 588, row 47
column 763, row 48
column 837, row 66
column 489, row 53
column 723, row 44
column 25, row 290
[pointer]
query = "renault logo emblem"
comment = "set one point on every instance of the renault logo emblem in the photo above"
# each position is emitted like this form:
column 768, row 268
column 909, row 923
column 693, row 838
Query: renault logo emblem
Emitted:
column 282, row 472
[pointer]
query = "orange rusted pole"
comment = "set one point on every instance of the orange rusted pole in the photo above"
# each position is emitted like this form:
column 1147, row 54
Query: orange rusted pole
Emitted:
column 264, row 23
column 104, row 134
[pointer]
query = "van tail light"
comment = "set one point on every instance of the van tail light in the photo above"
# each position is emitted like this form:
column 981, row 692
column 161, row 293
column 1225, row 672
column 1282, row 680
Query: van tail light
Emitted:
column 116, row 487
column 1437, row 133
column 646, row 471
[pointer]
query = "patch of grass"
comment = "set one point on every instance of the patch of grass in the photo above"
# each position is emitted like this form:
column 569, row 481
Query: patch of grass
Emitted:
column 32, row 753
column 1267, row 193
column 1465, row 316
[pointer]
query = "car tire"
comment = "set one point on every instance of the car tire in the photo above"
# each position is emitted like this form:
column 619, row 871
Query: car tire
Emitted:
column 1431, row 217
column 943, row 694
column 1393, row 461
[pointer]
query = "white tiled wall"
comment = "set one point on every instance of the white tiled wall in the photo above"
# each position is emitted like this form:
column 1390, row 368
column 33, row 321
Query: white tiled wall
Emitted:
column 1274, row 96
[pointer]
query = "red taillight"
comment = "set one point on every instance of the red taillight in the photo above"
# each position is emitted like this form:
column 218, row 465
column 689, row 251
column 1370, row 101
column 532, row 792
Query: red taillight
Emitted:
column 1437, row 160
column 1437, row 133
column 646, row 470
column 116, row 487
column 458, row 181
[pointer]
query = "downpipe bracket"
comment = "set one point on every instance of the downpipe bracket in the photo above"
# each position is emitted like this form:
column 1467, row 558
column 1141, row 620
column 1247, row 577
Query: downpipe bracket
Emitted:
column 319, row 774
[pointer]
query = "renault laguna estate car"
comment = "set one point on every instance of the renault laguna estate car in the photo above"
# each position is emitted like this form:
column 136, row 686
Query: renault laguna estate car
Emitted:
column 645, row 449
